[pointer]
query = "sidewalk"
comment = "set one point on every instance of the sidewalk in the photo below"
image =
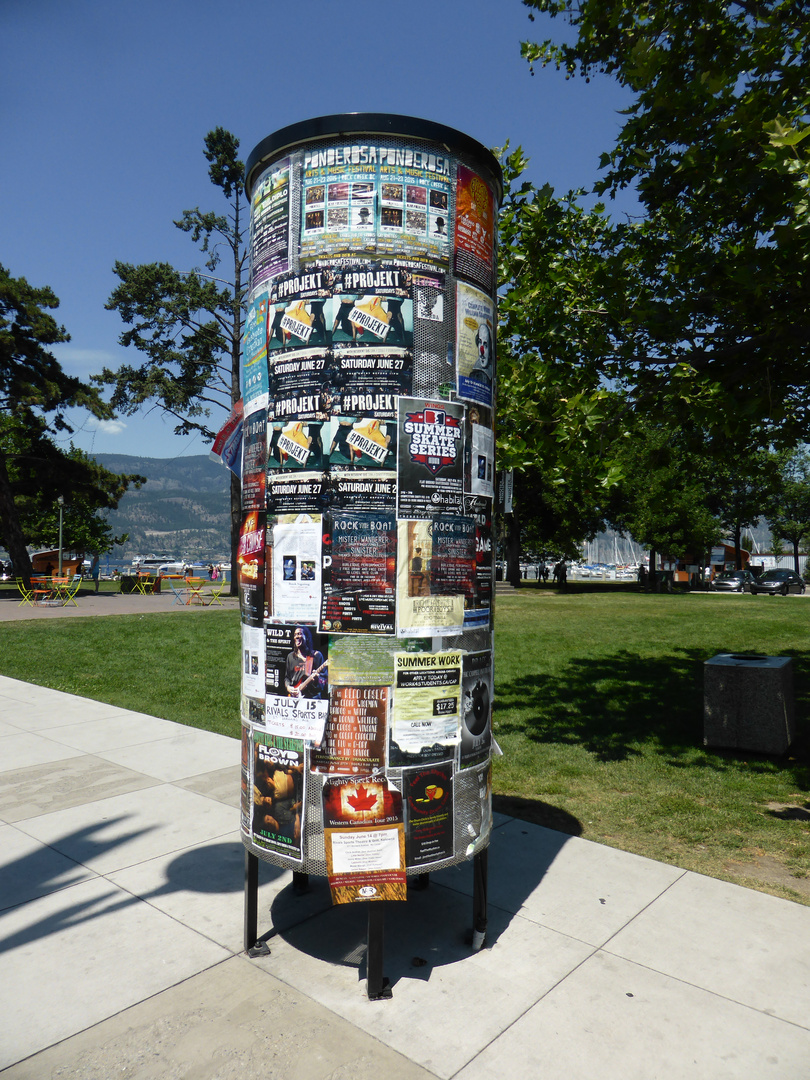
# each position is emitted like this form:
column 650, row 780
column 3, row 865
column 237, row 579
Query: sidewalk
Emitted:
column 121, row 875
column 103, row 603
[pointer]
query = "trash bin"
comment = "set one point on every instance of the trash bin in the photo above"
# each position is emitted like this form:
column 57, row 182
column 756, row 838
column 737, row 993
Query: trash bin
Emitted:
column 748, row 703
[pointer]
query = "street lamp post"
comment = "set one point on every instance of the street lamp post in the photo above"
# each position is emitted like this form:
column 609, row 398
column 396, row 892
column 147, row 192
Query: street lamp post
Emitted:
column 61, row 501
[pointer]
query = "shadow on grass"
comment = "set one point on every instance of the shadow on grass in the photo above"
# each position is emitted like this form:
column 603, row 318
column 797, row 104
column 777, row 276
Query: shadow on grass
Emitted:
column 621, row 706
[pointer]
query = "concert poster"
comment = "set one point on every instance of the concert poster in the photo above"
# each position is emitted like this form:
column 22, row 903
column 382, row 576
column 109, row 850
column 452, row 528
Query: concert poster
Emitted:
column 300, row 385
column 368, row 491
column 430, row 461
column 453, row 564
column 475, row 344
column 296, row 445
column 250, row 567
column 359, row 573
column 360, row 443
column 296, row 316
column 298, row 492
column 364, row 838
column 245, row 800
column 254, row 459
column 253, row 678
column 480, row 510
column 270, row 232
column 426, row 710
column 366, row 381
column 422, row 609
column 295, row 569
column 279, row 794
column 476, row 709
column 372, row 305
column 479, row 455
column 339, row 196
column 475, row 230
column 428, row 800
column 356, row 733
column 255, row 387
column 368, row 661
column 296, row 681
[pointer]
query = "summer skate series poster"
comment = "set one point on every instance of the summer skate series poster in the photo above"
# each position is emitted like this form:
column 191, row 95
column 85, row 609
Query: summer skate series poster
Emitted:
column 430, row 466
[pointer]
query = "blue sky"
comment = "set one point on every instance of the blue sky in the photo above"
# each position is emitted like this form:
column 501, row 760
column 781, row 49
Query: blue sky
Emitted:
column 104, row 106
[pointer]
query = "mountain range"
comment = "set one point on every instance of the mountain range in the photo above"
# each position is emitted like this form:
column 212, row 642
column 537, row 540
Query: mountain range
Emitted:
column 182, row 510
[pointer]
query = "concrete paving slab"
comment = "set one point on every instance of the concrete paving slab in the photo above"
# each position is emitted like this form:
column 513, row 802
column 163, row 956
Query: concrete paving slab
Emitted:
column 614, row 1020
column 29, row 869
column 448, row 1003
column 122, row 728
column 568, row 884
column 24, row 749
column 232, row 1022
column 127, row 829
column 44, row 789
column 57, row 712
column 203, row 887
column 222, row 785
column 188, row 752
column 77, row 957
column 711, row 932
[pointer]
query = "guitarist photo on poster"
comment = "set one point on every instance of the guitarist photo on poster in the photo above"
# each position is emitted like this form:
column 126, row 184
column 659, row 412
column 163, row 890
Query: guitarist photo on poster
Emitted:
column 305, row 674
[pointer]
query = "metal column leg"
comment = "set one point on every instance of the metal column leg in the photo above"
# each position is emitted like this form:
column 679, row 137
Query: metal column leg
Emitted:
column 253, row 947
column 377, row 986
column 480, row 868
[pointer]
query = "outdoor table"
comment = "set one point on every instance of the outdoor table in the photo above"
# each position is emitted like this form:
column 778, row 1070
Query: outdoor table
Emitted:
column 195, row 587
column 42, row 589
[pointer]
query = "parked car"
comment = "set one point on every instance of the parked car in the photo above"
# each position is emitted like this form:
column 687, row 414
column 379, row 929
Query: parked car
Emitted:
column 734, row 581
column 777, row 581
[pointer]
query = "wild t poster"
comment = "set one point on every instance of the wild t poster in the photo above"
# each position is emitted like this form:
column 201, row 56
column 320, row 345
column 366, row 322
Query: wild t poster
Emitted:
column 296, row 674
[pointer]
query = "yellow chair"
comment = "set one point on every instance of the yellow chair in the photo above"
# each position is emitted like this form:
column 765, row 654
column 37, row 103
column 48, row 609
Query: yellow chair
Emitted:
column 26, row 593
column 213, row 597
column 68, row 593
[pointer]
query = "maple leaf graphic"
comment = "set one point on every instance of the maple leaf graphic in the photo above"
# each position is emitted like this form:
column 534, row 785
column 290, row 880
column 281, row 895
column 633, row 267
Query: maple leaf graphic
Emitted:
column 362, row 799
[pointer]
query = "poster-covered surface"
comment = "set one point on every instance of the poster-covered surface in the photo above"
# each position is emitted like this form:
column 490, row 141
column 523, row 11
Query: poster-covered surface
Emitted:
column 270, row 214
column 475, row 344
column 430, row 462
column 255, row 387
column 476, row 711
column 254, row 459
column 359, row 573
column 245, row 792
column 296, row 570
column 250, row 567
column 364, row 838
column 361, row 443
column 297, row 492
column 356, row 733
column 475, row 229
column 295, row 445
column 279, row 794
column 426, row 708
column 424, row 609
column 368, row 491
column 479, row 479
column 428, row 798
column 453, row 563
column 480, row 510
column 253, row 651
column 373, row 305
column 296, row 673
column 372, row 198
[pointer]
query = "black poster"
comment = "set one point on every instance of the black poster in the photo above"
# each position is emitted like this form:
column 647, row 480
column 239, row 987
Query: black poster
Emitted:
column 428, row 800
column 430, row 462
column 359, row 573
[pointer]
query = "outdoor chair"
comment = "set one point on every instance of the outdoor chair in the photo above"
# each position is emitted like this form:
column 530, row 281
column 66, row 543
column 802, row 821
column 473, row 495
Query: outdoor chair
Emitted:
column 179, row 593
column 68, row 594
column 26, row 593
column 213, row 597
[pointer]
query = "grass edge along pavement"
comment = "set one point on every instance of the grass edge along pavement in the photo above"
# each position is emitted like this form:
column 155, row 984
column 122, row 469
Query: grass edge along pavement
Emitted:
column 598, row 711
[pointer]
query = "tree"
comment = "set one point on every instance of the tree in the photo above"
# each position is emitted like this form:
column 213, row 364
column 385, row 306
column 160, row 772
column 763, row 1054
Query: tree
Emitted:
column 711, row 311
column 789, row 516
column 740, row 490
column 187, row 323
column 34, row 394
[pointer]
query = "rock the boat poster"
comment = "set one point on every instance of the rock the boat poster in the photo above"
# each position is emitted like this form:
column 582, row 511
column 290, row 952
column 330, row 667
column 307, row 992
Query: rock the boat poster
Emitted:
column 430, row 463
column 425, row 609
column 359, row 573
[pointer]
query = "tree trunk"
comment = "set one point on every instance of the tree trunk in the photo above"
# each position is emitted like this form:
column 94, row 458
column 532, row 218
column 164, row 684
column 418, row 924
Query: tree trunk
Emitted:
column 236, row 523
column 737, row 551
column 652, row 579
column 10, row 527
column 796, row 556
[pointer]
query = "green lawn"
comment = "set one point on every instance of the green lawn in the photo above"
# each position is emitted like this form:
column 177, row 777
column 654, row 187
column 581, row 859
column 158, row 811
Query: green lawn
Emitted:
column 599, row 714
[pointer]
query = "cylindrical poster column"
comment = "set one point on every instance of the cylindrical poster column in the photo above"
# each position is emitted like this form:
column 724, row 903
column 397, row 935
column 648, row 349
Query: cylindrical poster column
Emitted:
column 365, row 558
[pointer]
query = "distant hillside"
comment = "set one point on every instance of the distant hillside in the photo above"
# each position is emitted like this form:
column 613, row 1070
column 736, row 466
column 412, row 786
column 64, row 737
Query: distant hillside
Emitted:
column 182, row 510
